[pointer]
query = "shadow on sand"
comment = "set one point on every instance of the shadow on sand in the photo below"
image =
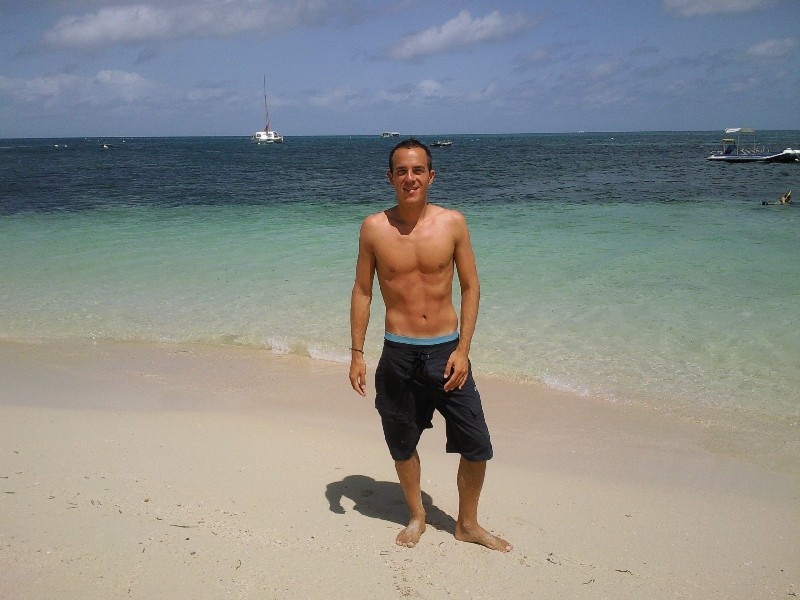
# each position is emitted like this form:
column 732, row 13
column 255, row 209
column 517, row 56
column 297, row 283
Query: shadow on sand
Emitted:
column 383, row 500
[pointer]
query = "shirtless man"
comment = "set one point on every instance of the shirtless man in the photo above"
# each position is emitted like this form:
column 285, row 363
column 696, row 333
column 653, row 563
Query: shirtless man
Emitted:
column 414, row 247
column 785, row 199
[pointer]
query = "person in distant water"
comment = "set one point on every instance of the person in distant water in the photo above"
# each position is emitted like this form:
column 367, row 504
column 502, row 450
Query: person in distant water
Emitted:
column 785, row 199
column 414, row 248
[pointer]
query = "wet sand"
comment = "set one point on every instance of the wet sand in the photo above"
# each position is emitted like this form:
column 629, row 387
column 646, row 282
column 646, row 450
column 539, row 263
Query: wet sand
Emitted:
column 142, row 471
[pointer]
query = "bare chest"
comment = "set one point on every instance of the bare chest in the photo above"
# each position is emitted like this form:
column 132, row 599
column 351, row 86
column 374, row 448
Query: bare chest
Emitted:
column 423, row 254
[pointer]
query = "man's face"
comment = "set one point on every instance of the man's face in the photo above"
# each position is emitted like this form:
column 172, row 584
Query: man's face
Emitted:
column 410, row 175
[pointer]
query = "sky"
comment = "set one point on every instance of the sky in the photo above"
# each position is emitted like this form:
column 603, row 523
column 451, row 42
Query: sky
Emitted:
column 358, row 67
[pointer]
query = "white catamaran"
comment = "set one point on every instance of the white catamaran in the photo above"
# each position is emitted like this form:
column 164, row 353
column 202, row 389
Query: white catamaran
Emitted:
column 267, row 136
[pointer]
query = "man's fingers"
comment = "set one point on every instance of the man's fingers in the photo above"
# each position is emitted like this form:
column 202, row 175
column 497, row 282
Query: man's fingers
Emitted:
column 448, row 369
column 456, row 372
column 358, row 379
column 456, row 380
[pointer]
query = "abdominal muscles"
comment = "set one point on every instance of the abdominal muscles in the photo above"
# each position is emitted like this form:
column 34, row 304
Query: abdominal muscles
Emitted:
column 419, row 305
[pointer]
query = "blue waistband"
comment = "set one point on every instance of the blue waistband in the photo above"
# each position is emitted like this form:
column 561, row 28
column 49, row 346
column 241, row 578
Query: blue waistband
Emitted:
column 401, row 339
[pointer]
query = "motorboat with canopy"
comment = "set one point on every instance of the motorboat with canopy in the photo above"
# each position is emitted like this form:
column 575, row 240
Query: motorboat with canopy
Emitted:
column 734, row 151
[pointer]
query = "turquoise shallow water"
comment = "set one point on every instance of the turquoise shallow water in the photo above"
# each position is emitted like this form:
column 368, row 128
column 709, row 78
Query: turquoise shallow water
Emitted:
column 617, row 266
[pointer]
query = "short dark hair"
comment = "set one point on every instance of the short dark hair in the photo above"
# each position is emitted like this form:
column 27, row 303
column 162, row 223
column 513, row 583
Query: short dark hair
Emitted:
column 408, row 145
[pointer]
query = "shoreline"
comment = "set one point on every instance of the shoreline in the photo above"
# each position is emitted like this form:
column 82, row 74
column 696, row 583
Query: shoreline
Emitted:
column 113, row 453
column 767, row 441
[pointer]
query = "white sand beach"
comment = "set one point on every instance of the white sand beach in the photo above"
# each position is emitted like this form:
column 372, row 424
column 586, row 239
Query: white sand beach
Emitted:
column 180, row 471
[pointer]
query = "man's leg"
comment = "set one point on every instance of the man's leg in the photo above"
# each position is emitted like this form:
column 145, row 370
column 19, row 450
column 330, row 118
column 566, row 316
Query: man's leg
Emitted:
column 470, row 483
column 409, row 472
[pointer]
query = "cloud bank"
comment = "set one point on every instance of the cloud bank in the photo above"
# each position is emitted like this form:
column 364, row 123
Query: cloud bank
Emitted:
column 106, row 87
column 459, row 33
column 696, row 8
column 151, row 23
column 424, row 92
column 772, row 49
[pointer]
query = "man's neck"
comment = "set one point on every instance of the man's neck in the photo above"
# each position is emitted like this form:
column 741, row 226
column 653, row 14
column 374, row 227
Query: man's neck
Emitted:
column 410, row 215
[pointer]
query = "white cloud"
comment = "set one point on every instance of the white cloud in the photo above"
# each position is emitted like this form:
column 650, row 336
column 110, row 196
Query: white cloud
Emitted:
column 667, row 65
column 107, row 87
column 334, row 98
column 696, row 8
column 682, row 87
column 606, row 70
column 486, row 93
column 430, row 88
column 149, row 22
column 602, row 72
column 111, row 91
column 536, row 57
column 743, row 84
column 424, row 92
column 643, row 50
column 460, row 32
column 772, row 48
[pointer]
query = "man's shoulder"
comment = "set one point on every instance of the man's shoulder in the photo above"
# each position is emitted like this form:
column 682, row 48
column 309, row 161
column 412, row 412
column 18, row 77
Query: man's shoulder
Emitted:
column 373, row 225
column 447, row 216
column 378, row 219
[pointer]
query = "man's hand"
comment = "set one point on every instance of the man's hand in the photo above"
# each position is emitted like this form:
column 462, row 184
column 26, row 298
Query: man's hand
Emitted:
column 456, row 370
column 358, row 374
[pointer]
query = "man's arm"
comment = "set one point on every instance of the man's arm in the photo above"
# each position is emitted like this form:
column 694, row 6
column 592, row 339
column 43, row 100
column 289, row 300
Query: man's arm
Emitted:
column 360, row 301
column 458, row 364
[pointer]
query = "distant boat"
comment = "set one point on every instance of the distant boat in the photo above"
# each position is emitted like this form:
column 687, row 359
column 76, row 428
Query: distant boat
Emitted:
column 787, row 156
column 733, row 151
column 390, row 134
column 441, row 143
column 267, row 136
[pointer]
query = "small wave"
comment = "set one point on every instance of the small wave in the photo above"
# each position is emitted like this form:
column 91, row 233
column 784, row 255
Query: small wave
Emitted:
column 329, row 352
column 278, row 345
column 577, row 388
column 566, row 386
column 312, row 349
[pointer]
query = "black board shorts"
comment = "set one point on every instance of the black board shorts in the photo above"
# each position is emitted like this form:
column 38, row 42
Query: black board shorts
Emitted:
column 409, row 386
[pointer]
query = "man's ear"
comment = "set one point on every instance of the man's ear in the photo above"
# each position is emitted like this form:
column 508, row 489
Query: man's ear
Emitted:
column 389, row 176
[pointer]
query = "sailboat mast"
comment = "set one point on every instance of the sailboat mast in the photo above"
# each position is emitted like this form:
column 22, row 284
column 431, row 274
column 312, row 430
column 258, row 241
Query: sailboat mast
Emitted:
column 266, row 109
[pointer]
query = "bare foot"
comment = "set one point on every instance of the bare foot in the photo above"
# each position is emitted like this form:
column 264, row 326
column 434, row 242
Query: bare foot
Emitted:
column 411, row 534
column 478, row 535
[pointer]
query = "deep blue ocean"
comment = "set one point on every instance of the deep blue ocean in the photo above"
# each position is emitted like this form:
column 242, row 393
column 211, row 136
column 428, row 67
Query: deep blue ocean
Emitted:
column 620, row 266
